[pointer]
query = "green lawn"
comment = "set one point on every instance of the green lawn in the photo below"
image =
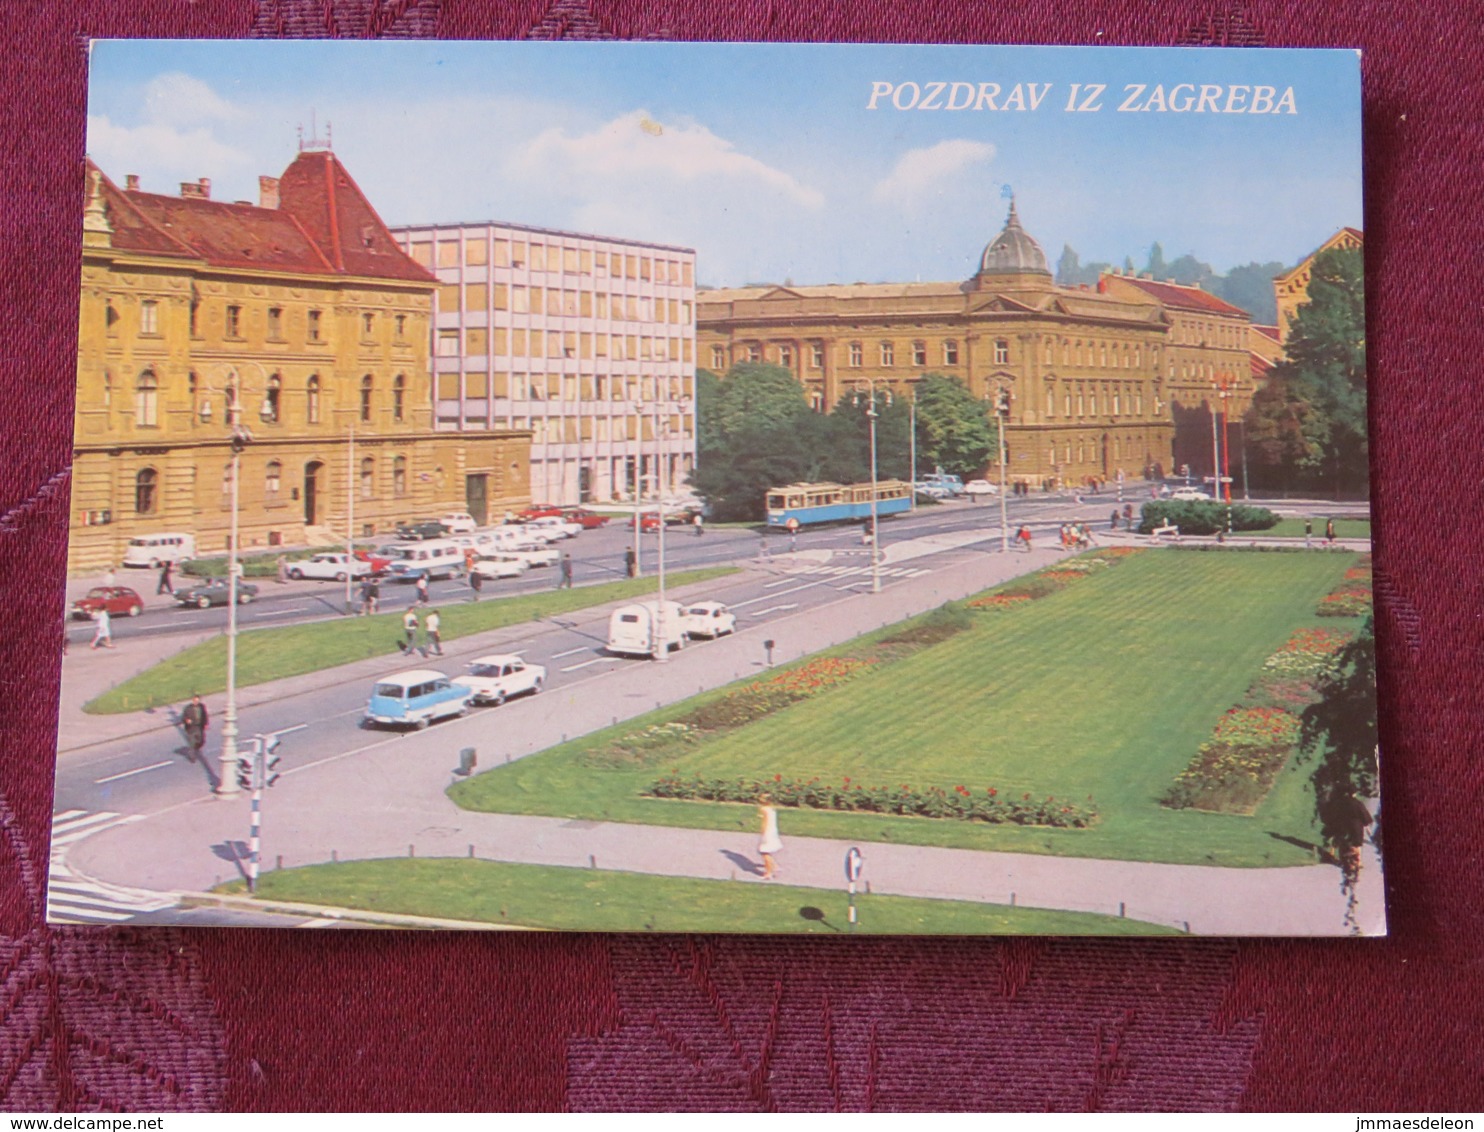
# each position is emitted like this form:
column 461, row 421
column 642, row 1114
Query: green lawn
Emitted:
column 591, row 900
column 292, row 650
column 1294, row 528
column 1105, row 689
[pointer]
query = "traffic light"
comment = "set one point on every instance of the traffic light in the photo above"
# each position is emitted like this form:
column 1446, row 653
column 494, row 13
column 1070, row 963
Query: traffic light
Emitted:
column 244, row 772
column 271, row 759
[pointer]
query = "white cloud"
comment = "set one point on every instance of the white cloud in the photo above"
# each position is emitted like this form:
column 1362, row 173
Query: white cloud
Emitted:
column 634, row 147
column 161, row 152
column 177, row 99
column 921, row 173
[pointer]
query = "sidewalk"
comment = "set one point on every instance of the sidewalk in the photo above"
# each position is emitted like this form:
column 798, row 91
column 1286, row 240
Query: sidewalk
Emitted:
column 390, row 802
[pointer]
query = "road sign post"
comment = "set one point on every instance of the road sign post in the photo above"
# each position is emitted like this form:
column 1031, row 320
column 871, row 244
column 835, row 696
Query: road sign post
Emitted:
column 853, row 864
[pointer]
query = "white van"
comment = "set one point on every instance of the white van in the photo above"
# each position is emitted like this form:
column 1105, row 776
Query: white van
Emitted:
column 633, row 629
column 149, row 552
column 434, row 557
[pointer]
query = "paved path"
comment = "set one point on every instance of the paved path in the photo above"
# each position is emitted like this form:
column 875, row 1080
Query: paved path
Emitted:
column 385, row 799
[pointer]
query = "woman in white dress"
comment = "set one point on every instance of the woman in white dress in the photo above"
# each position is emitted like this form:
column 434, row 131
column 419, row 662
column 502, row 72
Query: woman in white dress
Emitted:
column 771, row 843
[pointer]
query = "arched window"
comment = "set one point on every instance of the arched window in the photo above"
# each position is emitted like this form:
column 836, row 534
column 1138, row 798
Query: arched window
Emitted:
column 366, row 398
column 311, row 399
column 1069, row 403
column 1050, row 402
column 144, row 491
column 399, row 475
column 273, row 480
column 270, row 399
column 399, row 396
column 368, row 478
column 147, row 400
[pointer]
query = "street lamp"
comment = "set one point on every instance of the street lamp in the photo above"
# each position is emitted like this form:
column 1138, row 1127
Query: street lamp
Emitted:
column 1224, row 386
column 226, row 784
column 875, row 555
column 1001, row 414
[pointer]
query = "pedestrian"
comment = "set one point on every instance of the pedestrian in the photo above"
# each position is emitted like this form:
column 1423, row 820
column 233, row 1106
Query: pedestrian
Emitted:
column 1023, row 536
column 164, row 586
column 1128, row 516
column 1329, row 532
column 193, row 720
column 102, row 630
column 565, row 581
column 476, row 583
column 630, row 562
column 1308, row 532
column 1113, row 520
column 770, row 843
column 365, row 592
column 409, row 627
column 108, row 578
column 432, row 625
column 373, row 604
column 699, row 524
column 281, row 570
column 422, row 589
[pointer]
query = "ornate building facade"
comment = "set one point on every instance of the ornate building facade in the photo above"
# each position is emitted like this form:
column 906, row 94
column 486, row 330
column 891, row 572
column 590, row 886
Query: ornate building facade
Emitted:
column 588, row 341
column 304, row 308
column 1292, row 287
column 1087, row 372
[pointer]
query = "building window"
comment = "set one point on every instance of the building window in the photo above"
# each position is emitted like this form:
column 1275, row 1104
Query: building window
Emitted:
column 273, row 480
column 270, row 399
column 888, row 353
column 368, row 478
column 311, row 399
column 149, row 317
column 1050, row 402
column 754, row 353
column 368, row 324
column 234, row 322
column 401, row 326
column 857, row 354
column 816, row 355
column 275, row 323
column 144, row 491
column 399, row 396
column 919, row 353
column 147, row 400
column 314, row 326
column 366, row 398
column 193, row 388
column 718, row 357
column 399, row 475
column 1001, row 352
column 111, row 318
column 950, row 353
column 1068, row 402
column 786, row 356
column 227, row 485
column 448, row 343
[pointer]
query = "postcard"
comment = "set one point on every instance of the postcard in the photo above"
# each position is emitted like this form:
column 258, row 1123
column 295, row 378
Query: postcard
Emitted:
column 685, row 487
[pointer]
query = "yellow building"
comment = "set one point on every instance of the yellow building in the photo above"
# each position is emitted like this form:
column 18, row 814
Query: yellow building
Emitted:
column 306, row 306
column 1292, row 287
column 1087, row 372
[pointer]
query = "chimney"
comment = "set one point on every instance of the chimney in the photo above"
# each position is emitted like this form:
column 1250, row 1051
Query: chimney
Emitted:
column 131, row 182
column 1149, row 275
column 267, row 192
column 200, row 190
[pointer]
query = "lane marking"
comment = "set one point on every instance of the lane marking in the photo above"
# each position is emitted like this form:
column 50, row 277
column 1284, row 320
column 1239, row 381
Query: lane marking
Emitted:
column 779, row 582
column 774, row 609
column 569, row 652
column 282, row 612
column 585, row 663
column 780, row 593
column 131, row 773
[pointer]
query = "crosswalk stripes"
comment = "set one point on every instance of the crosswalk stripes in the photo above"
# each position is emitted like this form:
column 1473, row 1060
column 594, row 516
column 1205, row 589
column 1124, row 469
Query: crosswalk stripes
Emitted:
column 74, row 899
column 857, row 571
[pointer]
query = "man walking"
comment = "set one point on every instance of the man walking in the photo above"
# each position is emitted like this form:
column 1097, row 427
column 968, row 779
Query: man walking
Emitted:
column 631, row 563
column 431, row 626
column 102, row 630
column 1329, row 532
column 476, row 583
column 165, row 587
column 1308, row 533
column 565, row 581
column 422, row 589
column 193, row 720
column 409, row 627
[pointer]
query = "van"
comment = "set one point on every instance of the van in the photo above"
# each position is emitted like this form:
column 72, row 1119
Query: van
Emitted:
column 458, row 523
column 149, row 552
column 433, row 558
column 633, row 629
column 953, row 485
column 415, row 699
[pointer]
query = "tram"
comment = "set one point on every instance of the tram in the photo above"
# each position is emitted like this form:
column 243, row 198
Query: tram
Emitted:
column 809, row 504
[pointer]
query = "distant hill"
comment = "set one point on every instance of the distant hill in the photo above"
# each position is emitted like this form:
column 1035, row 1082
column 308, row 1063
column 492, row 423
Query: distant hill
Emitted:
column 1249, row 286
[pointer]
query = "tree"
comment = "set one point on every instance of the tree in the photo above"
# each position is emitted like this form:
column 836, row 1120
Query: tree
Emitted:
column 755, row 393
column 852, row 437
column 1250, row 287
column 953, row 428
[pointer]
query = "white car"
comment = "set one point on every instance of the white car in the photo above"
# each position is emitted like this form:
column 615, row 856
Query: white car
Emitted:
column 330, row 568
column 500, row 566
column 709, row 619
column 980, row 487
column 534, row 553
column 458, row 523
column 553, row 525
column 495, row 678
column 1189, row 494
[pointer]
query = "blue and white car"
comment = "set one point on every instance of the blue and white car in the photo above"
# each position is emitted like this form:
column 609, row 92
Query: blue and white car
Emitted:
column 415, row 699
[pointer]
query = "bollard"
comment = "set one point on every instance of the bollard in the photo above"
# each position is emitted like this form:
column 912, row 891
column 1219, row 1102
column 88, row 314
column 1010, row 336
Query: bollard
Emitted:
column 410, row 851
column 1012, row 900
column 592, row 861
column 280, row 862
column 471, row 852
column 335, row 856
column 468, row 760
column 1122, row 909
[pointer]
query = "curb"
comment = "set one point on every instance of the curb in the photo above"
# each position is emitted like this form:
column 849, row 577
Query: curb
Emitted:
column 351, row 915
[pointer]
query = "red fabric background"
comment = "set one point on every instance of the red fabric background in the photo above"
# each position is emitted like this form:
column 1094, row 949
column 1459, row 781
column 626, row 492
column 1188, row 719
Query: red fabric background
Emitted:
column 171, row 1019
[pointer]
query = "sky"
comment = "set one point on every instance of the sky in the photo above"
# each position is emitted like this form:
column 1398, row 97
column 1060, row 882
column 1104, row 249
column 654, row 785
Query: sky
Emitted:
column 809, row 163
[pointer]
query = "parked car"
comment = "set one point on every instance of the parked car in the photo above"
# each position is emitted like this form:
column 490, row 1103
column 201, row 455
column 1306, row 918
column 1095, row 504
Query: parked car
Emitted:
column 502, row 565
column 329, row 568
column 458, row 523
column 215, row 591
column 709, row 619
column 554, row 524
column 975, row 488
column 533, row 553
column 118, row 600
column 649, row 522
column 375, row 559
column 584, row 518
column 435, row 558
column 495, row 678
column 951, row 484
column 415, row 698
column 150, row 552
column 426, row 528
column 637, row 630
column 539, row 511
column 933, row 492
column 1189, row 494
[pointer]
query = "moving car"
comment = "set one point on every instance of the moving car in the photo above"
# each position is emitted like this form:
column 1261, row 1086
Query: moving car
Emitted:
column 533, row 553
column 118, row 600
column 150, row 552
column 584, row 518
column 539, row 511
column 975, row 488
column 554, row 526
column 501, row 565
column 423, row 529
column 415, row 698
column 375, row 559
column 931, row 491
column 495, row 678
column 458, row 523
column 330, row 568
column 709, row 619
column 951, row 484
column 1189, row 494
column 215, row 591
column 433, row 558
column 638, row 630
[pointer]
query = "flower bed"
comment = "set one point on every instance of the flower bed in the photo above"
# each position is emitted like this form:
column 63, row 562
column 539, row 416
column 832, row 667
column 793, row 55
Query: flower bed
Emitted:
column 959, row 804
column 1307, row 653
column 999, row 601
column 1052, row 579
column 1352, row 597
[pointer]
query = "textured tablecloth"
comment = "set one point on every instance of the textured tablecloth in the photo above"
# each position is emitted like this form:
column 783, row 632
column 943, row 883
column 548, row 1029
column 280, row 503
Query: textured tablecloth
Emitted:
column 207, row 1019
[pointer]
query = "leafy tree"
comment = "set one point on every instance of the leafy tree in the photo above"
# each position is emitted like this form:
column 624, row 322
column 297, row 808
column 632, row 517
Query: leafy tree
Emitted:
column 1250, row 287
column 852, row 437
column 755, row 393
column 953, row 427
column 1156, row 265
column 1341, row 730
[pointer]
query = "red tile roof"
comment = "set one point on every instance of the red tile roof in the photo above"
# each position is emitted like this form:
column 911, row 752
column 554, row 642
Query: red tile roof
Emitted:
column 1266, row 331
column 1181, row 297
column 324, row 225
column 1260, row 365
